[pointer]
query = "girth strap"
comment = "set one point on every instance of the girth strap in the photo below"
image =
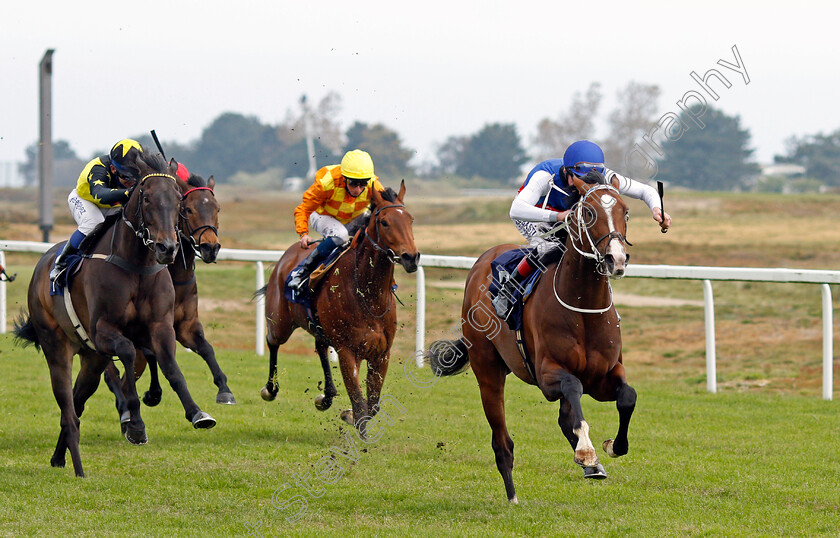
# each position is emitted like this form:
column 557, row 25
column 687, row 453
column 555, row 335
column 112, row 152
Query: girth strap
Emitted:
column 126, row 265
column 74, row 319
column 526, row 358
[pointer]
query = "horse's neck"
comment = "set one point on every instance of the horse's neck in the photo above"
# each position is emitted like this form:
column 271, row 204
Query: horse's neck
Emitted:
column 374, row 270
column 579, row 277
column 125, row 242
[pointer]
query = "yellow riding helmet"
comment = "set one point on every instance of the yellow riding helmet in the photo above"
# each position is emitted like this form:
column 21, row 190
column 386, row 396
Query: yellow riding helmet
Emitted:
column 124, row 154
column 357, row 164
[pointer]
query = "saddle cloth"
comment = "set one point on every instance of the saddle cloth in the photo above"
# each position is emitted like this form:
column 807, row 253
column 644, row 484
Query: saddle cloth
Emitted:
column 500, row 269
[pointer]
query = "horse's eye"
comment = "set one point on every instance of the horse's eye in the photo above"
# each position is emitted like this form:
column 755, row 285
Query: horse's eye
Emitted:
column 189, row 211
column 146, row 199
column 385, row 223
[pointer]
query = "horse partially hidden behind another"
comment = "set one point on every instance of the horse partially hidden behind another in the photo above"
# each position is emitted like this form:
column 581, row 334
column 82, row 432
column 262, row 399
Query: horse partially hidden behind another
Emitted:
column 353, row 303
column 123, row 299
column 571, row 332
column 199, row 227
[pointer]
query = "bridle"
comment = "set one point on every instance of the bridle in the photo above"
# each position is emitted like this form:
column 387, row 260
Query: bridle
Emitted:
column 582, row 230
column 190, row 232
column 389, row 252
column 142, row 231
column 578, row 233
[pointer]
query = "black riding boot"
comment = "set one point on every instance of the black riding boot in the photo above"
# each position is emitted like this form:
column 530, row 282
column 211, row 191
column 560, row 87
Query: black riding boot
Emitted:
column 503, row 302
column 61, row 260
column 300, row 273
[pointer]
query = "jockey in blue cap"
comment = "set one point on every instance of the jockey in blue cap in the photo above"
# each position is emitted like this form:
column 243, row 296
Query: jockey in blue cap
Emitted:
column 547, row 197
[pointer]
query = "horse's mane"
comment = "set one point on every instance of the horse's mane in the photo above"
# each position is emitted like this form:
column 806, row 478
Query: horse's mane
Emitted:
column 593, row 177
column 155, row 161
column 196, row 181
column 361, row 222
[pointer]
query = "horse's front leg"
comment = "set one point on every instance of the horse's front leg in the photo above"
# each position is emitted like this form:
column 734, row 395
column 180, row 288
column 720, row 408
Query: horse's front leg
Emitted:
column 625, row 401
column 376, row 370
column 163, row 346
column 349, row 363
column 191, row 335
column 110, row 341
column 324, row 401
column 560, row 384
column 114, row 384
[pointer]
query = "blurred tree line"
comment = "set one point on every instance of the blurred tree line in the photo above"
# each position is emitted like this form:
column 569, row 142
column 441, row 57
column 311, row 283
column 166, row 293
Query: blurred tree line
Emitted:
column 706, row 149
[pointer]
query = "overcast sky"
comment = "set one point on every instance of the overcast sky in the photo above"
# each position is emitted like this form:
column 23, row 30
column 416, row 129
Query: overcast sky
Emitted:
column 428, row 70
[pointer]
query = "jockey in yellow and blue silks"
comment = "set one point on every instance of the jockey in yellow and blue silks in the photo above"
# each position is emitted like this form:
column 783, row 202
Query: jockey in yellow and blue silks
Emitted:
column 547, row 196
column 339, row 194
column 103, row 186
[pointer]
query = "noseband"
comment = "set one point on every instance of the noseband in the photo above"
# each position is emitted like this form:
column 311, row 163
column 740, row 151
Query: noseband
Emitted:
column 142, row 231
column 392, row 256
column 195, row 242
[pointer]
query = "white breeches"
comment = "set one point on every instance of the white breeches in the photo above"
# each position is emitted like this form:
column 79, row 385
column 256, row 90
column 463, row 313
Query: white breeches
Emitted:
column 87, row 214
column 328, row 226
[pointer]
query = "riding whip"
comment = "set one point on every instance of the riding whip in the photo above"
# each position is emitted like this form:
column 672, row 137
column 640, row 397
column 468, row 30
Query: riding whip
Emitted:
column 661, row 190
column 160, row 148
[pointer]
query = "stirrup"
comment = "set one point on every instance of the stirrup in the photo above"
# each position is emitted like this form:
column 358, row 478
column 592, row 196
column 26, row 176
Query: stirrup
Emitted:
column 297, row 280
column 502, row 305
column 56, row 273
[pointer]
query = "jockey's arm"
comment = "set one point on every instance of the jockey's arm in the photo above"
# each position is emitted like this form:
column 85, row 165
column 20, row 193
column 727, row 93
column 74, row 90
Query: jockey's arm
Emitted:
column 102, row 194
column 640, row 191
column 524, row 205
column 313, row 198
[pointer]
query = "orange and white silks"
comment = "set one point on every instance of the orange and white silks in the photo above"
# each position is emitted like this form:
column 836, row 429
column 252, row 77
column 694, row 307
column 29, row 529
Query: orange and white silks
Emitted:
column 328, row 196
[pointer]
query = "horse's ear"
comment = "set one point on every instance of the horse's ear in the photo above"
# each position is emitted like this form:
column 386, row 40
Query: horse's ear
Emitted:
column 173, row 167
column 581, row 186
column 211, row 183
column 401, row 195
column 375, row 196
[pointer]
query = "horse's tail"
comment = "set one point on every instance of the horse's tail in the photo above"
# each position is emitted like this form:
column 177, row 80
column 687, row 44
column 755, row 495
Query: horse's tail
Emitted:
column 260, row 292
column 25, row 332
column 448, row 357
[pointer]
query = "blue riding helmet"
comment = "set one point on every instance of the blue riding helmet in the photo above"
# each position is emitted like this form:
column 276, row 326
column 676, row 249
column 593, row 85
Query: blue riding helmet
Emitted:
column 582, row 157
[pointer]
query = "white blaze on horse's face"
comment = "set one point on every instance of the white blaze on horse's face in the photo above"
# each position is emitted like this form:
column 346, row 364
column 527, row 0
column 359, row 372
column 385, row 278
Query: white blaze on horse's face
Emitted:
column 615, row 248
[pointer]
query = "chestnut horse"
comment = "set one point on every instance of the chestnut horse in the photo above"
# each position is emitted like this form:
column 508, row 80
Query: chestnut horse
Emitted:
column 353, row 303
column 123, row 299
column 571, row 334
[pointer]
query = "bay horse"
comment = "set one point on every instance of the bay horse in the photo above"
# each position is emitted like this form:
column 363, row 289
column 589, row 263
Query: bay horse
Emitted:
column 571, row 331
column 199, row 228
column 354, row 305
column 123, row 300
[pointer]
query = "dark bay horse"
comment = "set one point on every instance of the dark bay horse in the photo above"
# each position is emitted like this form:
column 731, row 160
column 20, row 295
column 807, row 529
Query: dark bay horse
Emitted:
column 123, row 300
column 571, row 334
column 199, row 227
column 354, row 305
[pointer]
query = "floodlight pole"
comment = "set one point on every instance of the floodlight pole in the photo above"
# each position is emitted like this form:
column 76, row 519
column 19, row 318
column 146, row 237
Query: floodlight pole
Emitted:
column 45, row 147
column 307, row 131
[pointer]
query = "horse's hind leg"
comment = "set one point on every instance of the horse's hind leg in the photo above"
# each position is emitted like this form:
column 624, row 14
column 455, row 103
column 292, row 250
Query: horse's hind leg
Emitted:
column 145, row 357
column 61, row 377
column 491, row 382
column 279, row 330
column 324, row 401
column 574, row 426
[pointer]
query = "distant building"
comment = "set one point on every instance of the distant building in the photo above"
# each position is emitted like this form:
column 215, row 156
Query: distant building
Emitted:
column 782, row 169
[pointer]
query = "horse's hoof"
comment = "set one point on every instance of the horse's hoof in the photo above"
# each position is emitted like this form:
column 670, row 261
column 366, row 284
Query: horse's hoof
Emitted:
column 151, row 399
column 57, row 463
column 596, row 472
column 225, row 398
column 203, row 421
column 347, row 416
column 267, row 395
column 610, row 449
column 322, row 404
column 136, row 437
column 514, row 500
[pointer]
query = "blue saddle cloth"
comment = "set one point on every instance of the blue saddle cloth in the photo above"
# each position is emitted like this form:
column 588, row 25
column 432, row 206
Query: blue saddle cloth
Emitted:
column 57, row 287
column 304, row 295
column 505, row 265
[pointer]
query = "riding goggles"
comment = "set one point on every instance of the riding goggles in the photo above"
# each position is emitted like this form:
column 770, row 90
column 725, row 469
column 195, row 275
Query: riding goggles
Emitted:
column 583, row 168
column 357, row 182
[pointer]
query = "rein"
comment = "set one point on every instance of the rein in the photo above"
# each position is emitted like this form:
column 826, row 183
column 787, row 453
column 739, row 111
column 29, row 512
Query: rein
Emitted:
column 392, row 256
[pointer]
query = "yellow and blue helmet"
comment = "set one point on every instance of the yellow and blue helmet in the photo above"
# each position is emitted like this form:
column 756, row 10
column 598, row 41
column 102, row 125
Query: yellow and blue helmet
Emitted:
column 124, row 155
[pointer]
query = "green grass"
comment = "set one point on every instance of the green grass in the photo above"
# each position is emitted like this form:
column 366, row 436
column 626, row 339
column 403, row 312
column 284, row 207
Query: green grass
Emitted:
column 735, row 463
